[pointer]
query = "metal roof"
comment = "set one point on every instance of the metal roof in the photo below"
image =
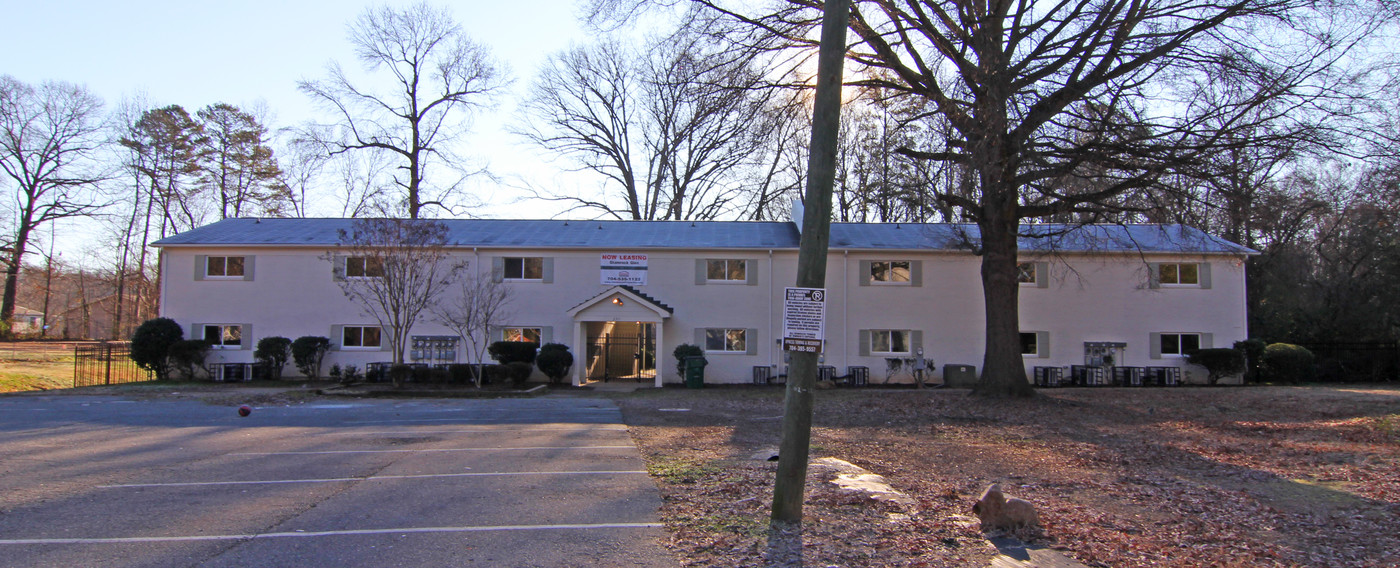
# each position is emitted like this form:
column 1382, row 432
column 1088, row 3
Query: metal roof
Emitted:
column 536, row 234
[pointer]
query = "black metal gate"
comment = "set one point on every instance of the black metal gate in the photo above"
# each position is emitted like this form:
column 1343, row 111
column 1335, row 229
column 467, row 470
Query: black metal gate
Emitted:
column 1359, row 361
column 106, row 363
column 612, row 356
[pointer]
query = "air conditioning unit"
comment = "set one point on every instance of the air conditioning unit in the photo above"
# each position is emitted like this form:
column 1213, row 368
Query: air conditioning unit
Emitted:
column 960, row 376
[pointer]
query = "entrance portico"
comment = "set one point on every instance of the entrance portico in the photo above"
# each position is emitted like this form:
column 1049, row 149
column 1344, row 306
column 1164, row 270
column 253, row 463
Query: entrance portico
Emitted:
column 618, row 308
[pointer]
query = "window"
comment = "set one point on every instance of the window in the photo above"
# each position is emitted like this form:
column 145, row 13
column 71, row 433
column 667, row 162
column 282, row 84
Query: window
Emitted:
column 1029, row 344
column 726, row 340
column 726, row 270
column 224, row 336
column 1026, row 273
column 524, row 268
column 893, row 271
column 889, row 341
column 1180, row 343
column 1179, row 274
column 531, row 334
column 223, row 267
column 364, row 267
column 361, row 336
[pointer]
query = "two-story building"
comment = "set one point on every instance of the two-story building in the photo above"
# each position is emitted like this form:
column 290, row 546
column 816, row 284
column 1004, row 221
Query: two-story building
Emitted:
column 624, row 294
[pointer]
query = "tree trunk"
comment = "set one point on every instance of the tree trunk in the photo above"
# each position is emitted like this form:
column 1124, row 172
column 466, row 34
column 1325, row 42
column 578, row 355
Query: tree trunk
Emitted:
column 1003, row 372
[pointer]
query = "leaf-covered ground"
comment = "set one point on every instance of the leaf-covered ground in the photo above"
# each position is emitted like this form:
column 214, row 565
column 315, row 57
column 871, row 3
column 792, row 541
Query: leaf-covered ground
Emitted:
column 1256, row 476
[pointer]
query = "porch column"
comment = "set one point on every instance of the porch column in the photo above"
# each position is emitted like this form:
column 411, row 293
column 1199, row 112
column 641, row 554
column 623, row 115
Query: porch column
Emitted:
column 660, row 350
column 580, row 354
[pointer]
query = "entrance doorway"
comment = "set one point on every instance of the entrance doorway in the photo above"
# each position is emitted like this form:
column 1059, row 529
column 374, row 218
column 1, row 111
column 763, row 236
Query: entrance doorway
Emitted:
column 621, row 350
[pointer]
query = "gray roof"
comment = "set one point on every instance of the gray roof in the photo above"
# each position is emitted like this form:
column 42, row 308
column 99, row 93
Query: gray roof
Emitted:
column 500, row 233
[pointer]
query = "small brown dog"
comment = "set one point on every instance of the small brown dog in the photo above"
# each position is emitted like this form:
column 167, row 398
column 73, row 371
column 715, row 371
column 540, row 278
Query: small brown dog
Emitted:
column 998, row 512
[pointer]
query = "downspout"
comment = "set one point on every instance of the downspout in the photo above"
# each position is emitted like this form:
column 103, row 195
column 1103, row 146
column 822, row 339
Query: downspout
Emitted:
column 845, row 301
column 772, row 351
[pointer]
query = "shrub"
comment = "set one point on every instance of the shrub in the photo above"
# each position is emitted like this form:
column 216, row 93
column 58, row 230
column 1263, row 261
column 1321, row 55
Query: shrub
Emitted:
column 460, row 373
column 518, row 372
column 351, row 373
column 686, row 350
column 1254, row 356
column 272, row 353
column 187, row 356
column 421, row 373
column 150, row 345
column 400, row 373
column 505, row 352
column 554, row 361
column 439, row 375
column 307, row 353
column 1220, row 363
column 1289, row 363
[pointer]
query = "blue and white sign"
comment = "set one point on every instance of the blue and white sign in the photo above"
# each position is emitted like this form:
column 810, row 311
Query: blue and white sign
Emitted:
column 624, row 268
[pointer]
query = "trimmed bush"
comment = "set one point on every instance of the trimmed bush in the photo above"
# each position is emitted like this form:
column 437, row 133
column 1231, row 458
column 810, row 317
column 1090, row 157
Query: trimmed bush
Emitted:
column 1285, row 362
column 307, row 353
column 505, row 352
column 150, row 345
column 554, row 361
column 1220, row 363
column 1254, row 356
column 400, row 374
column 460, row 373
column 518, row 372
column 273, row 353
column 187, row 356
column 681, row 352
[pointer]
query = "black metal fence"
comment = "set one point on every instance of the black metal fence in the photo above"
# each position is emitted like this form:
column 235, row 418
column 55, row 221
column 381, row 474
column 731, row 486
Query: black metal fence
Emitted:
column 107, row 363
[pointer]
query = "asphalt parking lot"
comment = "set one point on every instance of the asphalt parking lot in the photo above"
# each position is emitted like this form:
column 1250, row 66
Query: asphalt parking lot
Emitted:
column 106, row 481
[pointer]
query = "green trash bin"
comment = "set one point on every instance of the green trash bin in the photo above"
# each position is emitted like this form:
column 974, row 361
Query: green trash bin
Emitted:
column 695, row 372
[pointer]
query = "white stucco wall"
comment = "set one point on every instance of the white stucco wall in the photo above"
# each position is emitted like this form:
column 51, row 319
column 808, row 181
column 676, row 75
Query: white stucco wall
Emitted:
column 1090, row 297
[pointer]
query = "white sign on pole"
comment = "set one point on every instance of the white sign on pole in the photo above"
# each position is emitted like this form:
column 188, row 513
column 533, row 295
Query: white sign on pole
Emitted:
column 804, row 319
column 618, row 268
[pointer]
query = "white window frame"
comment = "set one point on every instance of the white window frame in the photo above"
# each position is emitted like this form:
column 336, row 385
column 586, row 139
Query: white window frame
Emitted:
column 1180, row 345
column 242, row 267
column 728, row 263
column 729, row 338
column 889, row 335
column 524, row 269
column 364, row 262
column 1196, row 268
column 520, row 332
column 345, row 343
column 1034, row 280
column 223, row 335
column 908, row 273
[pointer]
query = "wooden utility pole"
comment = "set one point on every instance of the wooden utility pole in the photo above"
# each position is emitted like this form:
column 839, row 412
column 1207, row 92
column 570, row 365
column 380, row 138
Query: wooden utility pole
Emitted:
column 811, row 259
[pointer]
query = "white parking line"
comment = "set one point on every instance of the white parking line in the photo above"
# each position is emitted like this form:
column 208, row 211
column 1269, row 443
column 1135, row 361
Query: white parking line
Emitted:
column 313, row 534
column 409, row 420
column 430, row 450
column 477, row 430
column 365, row 478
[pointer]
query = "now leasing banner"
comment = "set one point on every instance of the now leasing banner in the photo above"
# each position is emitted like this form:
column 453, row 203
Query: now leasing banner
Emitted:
column 618, row 268
column 804, row 319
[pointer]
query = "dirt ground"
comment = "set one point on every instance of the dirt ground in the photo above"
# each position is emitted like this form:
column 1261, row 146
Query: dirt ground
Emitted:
column 1253, row 476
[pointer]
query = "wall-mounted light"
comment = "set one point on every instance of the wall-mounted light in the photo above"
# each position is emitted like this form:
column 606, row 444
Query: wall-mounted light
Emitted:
column 617, row 301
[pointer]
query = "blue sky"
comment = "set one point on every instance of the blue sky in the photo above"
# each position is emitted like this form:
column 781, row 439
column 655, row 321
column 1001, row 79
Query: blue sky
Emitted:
column 195, row 53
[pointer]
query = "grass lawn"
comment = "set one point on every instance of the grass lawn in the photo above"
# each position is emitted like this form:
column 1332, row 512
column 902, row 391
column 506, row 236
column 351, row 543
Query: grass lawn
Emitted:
column 1238, row 476
column 35, row 366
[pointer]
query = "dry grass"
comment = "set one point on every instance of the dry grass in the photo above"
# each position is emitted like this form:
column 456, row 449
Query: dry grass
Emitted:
column 1259, row 476
column 30, row 366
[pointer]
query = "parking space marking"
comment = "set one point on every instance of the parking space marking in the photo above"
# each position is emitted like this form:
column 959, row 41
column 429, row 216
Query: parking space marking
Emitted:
column 427, row 450
column 367, row 478
column 313, row 534
column 495, row 428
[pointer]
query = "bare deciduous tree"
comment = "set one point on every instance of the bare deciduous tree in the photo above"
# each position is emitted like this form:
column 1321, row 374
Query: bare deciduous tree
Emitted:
column 1112, row 94
column 668, row 128
column 49, row 139
column 404, row 267
column 438, row 75
column 481, row 302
